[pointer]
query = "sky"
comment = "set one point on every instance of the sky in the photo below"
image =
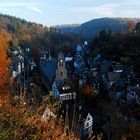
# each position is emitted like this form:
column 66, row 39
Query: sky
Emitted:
column 57, row 12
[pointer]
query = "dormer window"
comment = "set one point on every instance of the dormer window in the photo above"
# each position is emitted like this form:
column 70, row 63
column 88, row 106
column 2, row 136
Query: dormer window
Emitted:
column 66, row 87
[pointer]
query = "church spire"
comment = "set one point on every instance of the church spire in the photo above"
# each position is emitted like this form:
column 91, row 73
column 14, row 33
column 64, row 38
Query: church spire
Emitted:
column 61, row 72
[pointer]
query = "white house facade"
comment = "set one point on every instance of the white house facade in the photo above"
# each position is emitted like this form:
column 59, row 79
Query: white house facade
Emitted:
column 87, row 129
column 63, row 92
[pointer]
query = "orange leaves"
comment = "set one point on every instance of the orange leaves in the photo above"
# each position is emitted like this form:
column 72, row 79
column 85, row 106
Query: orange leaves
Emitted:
column 21, row 122
column 4, row 72
column 88, row 90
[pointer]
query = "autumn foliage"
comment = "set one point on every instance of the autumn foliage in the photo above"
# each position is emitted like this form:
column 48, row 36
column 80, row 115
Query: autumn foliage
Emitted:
column 4, row 72
column 18, row 122
column 23, row 122
column 88, row 89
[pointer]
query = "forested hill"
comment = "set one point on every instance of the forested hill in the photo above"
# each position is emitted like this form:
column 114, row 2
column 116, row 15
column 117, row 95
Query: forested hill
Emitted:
column 19, row 27
column 122, row 47
column 91, row 28
column 37, row 37
column 28, row 34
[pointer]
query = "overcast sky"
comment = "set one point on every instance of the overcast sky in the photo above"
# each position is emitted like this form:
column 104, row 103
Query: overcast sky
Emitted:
column 54, row 12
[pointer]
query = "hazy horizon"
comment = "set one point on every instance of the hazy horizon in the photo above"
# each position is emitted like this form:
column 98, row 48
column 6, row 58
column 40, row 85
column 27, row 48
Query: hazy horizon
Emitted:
column 53, row 12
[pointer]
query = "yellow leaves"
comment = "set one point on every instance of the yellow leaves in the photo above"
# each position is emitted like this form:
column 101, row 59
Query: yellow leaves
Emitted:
column 24, row 122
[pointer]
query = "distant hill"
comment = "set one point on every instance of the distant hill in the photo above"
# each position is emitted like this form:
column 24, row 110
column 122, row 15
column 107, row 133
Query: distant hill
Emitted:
column 91, row 28
column 67, row 27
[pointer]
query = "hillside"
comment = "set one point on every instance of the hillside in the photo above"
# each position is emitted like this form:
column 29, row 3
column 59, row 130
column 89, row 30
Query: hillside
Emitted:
column 35, row 36
column 122, row 47
column 91, row 28
column 20, row 28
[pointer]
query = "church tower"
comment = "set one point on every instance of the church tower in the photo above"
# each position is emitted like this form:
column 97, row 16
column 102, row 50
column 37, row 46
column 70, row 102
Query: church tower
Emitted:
column 61, row 72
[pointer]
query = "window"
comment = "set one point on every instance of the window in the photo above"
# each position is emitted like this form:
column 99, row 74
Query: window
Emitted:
column 88, row 118
column 61, row 63
column 61, row 73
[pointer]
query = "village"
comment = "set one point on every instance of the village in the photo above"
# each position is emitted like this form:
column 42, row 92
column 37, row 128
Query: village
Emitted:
column 90, row 88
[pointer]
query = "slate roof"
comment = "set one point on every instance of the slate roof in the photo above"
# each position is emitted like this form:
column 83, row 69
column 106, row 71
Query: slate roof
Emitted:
column 106, row 63
column 98, row 58
column 113, row 76
column 48, row 69
column 59, row 84
column 61, row 56
column 79, row 48
column 15, row 60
